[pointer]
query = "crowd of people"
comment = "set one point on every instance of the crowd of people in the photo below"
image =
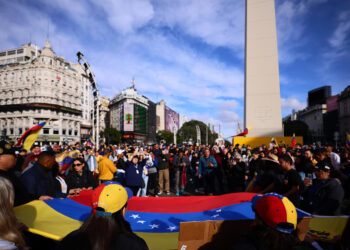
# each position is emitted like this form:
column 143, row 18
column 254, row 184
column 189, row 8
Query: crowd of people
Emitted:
column 314, row 178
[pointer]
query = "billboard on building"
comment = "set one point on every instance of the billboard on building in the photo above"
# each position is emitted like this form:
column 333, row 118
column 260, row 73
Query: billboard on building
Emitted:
column 128, row 116
column 171, row 115
column 332, row 103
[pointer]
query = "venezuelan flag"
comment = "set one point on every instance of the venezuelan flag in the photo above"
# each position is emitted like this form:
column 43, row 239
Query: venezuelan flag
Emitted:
column 66, row 159
column 348, row 140
column 293, row 141
column 90, row 142
column 29, row 136
column 245, row 132
column 155, row 219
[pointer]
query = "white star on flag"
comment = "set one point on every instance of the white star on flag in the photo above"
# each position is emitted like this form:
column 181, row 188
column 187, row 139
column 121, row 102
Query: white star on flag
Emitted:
column 141, row 221
column 154, row 226
column 215, row 215
column 135, row 216
column 218, row 211
column 171, row 228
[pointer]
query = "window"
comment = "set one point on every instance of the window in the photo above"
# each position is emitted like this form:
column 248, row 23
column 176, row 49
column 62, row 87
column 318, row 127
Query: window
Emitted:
column 70, row 132
column 55, row 132
column 20, row 59
column 75, row 132
column 20, row 131
column 11, row 131
column 33, row 53
column 63, row 131
column 19, row 51
column 11, row 52
column 46, row 131
column 3, row 54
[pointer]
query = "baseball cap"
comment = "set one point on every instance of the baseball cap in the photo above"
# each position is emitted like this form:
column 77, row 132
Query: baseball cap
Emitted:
column 6, row 148
column 276, row 211
column 111, row 196
column 322, row 166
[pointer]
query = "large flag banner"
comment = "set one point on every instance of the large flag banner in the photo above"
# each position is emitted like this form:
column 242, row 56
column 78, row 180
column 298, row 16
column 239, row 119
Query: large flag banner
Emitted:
column 29, row 136
column 155, row 219
column 347, row 140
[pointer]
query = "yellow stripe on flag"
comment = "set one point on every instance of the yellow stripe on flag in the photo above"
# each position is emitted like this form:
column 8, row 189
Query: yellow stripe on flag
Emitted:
column 41, row 219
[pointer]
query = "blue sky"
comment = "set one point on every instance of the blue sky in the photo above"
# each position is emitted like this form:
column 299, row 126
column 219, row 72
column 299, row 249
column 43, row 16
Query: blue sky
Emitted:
column 188, row 52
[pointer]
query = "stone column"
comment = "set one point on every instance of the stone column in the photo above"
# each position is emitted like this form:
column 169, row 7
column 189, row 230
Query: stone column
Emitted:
column 262, row 89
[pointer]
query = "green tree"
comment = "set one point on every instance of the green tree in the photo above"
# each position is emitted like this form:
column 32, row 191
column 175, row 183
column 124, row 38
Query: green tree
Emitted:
column 112, row 136
column 165, row 135
column 188, row 131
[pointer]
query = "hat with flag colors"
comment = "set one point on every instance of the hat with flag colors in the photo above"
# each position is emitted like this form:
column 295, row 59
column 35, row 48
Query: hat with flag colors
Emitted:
column 109, row 198
column 276, row 211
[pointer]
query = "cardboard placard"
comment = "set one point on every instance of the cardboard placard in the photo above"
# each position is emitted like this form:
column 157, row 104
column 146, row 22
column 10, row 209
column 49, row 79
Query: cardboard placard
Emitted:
column 221, row 234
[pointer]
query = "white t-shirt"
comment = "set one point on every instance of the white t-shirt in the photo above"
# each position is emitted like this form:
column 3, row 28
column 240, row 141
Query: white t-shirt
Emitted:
column 335, row 159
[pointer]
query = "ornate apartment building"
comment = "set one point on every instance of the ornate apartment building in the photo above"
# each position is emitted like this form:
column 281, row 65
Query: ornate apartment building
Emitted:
column 37, row 85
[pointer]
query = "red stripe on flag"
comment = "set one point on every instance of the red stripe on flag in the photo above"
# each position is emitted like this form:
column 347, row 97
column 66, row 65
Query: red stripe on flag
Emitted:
column 175, row 204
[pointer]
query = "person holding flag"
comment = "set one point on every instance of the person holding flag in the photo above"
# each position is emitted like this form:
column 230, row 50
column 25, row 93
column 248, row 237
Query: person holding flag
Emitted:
column 29, row 136
column 293, row 141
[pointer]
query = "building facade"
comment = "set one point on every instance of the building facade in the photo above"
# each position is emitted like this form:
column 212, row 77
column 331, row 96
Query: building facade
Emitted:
column 129, row 115
column 344, row 112
column 160, row 111
column 313, row 117
column 36, row 85
column 167, row 119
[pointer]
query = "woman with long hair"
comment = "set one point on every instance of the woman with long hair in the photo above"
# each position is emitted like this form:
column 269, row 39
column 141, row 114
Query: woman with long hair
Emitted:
column 80, row 177
column 10, row 236
column 106, row 228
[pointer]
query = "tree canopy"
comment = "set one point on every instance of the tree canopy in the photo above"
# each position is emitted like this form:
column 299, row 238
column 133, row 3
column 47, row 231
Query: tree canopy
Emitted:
column 188, row 131
column 112, row 136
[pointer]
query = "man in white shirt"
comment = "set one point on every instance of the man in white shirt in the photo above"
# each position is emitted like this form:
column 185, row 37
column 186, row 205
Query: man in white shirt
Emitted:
column 335, row 158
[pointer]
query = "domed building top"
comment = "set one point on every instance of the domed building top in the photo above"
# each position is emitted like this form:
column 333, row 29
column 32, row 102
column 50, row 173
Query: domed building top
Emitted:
column 47, row 50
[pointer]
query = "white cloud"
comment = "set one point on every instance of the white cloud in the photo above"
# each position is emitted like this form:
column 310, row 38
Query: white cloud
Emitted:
column 290, row 103
column 217, row 23
column 341, row 32
column 127, row 16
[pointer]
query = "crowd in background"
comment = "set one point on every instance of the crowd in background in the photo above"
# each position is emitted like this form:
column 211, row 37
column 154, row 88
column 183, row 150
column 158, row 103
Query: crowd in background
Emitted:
column 314, row 177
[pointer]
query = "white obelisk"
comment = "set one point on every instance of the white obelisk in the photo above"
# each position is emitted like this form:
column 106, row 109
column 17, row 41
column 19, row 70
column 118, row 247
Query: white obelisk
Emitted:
column 262, row 111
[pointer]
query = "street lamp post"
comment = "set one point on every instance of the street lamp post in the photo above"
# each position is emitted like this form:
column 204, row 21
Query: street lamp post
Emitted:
column 96, row 106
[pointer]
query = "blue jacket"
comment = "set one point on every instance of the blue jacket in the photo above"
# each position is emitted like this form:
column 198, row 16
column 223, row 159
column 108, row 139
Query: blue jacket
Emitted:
column 203, row 168
column 40, row 181
column 133, row 174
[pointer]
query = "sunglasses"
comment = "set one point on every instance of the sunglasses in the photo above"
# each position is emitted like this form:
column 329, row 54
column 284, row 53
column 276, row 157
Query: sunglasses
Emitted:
column 75, row 165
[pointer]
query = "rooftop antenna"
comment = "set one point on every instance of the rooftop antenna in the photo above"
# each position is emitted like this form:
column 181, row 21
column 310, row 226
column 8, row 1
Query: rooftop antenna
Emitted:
column 133, row 83
column 48, row 30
